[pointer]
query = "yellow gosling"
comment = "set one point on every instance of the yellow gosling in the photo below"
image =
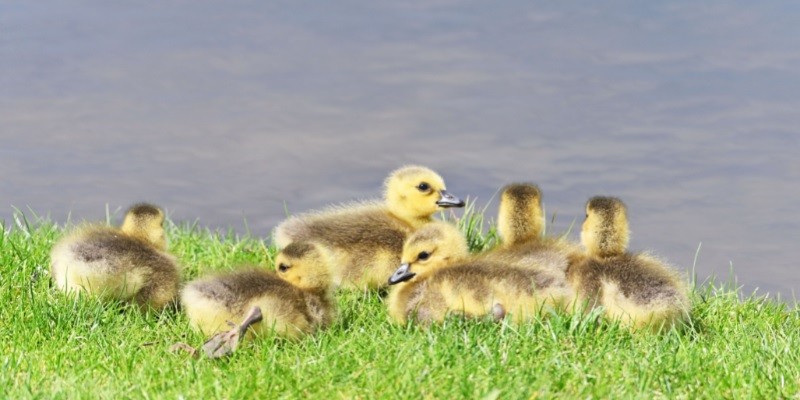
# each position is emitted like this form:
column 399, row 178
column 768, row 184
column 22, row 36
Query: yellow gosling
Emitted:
column 437, row 276
column 520, row 217
column 634, row 288
column 127, row 263
column 521, row 227
column 296, row 299
column 363, row 240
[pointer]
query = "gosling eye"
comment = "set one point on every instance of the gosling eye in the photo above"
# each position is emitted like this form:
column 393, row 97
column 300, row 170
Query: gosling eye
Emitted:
column 423, row 255
column 283, row 267
column 424, row 187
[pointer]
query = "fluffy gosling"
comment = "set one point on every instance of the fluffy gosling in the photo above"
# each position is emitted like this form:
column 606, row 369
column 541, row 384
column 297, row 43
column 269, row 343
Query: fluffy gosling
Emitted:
column 364, row 240
column 520, row 224
column 295, row 300
column 634, row 288
column 127, row 263
column 437, row 276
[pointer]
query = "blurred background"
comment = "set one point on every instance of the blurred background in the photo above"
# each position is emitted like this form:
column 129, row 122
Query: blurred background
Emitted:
column 225, row 112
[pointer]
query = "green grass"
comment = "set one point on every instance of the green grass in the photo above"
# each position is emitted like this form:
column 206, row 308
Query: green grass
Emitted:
column 55, row 346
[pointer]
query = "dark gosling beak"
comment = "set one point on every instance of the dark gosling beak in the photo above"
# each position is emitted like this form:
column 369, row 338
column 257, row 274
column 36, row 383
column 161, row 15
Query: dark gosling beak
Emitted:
column 448, row 200
column 401, row 275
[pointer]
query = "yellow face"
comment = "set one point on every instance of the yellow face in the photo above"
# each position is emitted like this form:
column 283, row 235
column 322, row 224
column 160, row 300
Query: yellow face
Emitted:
column 429, row 249
column 303, row 265
column 155, row 232
column 418, row 192
column 419, row 261
column 589, row 230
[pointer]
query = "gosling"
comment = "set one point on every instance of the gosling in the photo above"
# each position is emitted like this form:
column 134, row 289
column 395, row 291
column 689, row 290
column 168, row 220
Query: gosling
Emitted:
column 437, row 276
column 634, row 288
column 364, row 240
column 296, row 300
column 520, row 224
column 127, row 263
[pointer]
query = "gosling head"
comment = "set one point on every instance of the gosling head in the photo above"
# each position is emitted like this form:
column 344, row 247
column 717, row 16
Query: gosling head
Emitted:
column 414, row 193
column 303, row 265
column 520, row 216
column 605, row 231
column 146, row 222
column 429, row 249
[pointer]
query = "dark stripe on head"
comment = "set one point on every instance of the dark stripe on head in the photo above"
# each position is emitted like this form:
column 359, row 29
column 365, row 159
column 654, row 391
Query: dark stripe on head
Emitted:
column 297, row 249
column 521, row 192
column 606, row 205
column 428, row 233
column 144, row 210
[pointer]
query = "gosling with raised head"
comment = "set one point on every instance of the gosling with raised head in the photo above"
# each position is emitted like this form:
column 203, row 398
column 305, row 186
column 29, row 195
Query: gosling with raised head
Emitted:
column 635, row 288
column 364, row 240
column 520, row 224
column 437, row 276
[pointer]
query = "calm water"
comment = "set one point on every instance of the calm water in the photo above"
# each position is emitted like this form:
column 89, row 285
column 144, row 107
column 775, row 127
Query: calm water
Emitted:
column 225, row 111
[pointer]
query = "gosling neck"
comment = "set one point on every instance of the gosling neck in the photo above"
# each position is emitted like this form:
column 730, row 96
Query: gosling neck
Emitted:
column 408, row 216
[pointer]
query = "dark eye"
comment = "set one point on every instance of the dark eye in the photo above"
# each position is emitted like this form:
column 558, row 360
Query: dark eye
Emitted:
column 283, row 267
column 424, row 187
column 423, row 255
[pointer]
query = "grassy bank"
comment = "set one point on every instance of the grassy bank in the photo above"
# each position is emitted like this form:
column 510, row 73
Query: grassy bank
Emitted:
column 54, row 346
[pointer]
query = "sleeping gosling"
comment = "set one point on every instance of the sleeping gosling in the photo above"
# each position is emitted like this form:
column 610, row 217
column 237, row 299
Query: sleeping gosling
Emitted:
column 634, row 288
column 296, row 299
column 127, row 263
column 437, row 276
column 364, row 240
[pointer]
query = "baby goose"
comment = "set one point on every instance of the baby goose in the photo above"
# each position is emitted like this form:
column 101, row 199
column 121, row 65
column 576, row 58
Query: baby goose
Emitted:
column 296, row 300
column 438, row 276
column 364, row 240
column 520, row 217
column 636, row 289
column 129, row 263
column 520, row 223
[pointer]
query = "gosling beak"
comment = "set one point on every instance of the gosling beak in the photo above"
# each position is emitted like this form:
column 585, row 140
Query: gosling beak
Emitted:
column 401, row 275
column 448, row 200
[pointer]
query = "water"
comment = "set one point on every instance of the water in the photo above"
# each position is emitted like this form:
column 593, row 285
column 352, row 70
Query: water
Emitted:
column 229, row 111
